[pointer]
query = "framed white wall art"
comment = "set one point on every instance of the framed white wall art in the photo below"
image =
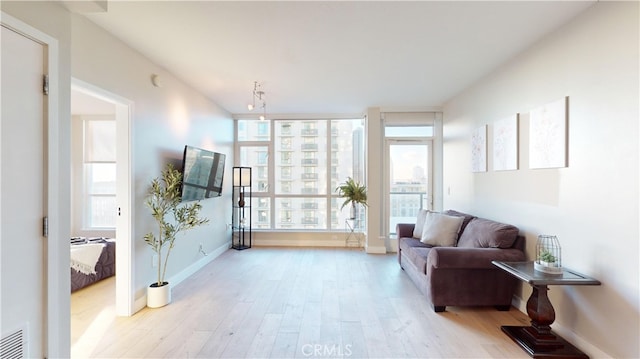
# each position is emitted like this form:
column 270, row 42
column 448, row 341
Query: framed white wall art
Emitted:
column 479, row 149
column 548, row 135
column 505, row 144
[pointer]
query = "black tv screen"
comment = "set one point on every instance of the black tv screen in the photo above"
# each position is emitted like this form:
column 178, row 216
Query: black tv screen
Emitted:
column 202, row 174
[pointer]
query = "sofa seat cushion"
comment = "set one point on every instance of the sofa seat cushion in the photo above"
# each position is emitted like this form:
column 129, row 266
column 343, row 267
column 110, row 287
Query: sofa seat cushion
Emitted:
column 407, row 243
column 484, row 233
column 419, row 256
column 415, row 251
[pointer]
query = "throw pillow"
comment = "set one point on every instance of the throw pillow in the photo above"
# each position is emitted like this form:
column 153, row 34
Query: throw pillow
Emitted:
column 417, row 229
column 441, row 229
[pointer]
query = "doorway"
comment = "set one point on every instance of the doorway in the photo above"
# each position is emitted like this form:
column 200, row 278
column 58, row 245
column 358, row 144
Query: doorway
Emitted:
column 124, row 296
column 408, row 180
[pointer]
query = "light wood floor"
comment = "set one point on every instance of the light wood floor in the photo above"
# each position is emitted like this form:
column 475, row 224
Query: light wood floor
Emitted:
column 286, row 303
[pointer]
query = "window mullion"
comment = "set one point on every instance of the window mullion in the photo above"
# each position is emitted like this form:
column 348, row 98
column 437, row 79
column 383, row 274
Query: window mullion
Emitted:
column 271, row 160
column 328, row 174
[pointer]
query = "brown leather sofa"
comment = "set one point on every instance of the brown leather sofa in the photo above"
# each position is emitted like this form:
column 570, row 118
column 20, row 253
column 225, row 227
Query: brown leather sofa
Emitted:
column 463, row 275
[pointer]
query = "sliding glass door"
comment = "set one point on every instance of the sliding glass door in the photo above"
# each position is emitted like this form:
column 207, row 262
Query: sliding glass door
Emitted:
column 408, row 180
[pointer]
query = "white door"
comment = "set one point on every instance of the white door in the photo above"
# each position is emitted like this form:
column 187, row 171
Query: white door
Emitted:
column 409, row 180
column 22, row 195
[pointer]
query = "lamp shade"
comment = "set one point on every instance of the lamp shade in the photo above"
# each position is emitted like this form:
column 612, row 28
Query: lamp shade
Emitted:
column 241, row 176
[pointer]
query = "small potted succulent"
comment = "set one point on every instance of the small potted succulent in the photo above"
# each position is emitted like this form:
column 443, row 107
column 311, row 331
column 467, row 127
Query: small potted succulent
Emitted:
column 548, row 255
column 547, row 259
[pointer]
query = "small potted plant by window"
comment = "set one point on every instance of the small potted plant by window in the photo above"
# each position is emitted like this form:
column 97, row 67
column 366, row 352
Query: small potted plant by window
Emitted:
column 354, row 193
column 172, row 218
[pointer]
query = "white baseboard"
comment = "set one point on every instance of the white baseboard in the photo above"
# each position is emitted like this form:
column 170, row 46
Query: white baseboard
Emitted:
column 306, row 243
column 376, row 250
column 141, row 302
column 190, row 270
column 566, row 333
column 336, row 240
column 392, row 245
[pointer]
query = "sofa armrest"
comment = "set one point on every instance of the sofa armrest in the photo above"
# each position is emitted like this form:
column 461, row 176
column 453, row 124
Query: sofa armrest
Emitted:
column 461, row 258
column 405, row 230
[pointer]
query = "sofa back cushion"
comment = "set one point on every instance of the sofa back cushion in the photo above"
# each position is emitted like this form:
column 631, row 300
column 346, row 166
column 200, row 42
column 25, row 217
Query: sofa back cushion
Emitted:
column 484, row 233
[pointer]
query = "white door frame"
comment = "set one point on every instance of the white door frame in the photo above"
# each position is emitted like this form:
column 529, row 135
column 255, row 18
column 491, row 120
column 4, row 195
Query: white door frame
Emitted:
column 55, row 318
column 125, row 296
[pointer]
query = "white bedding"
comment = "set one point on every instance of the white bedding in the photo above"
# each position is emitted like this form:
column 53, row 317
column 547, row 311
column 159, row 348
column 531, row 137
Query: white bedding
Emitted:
column 85, row 256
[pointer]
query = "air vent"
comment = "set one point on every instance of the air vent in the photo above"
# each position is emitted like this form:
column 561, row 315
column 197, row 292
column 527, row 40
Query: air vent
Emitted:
column 13, row 345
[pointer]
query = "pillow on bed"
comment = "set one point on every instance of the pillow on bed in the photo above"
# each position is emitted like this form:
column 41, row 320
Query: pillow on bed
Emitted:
column 78, row 240
column 441, row 229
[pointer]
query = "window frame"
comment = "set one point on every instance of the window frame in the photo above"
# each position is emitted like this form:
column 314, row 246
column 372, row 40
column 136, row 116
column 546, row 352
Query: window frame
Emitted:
column 86, row 223
column 303, row 179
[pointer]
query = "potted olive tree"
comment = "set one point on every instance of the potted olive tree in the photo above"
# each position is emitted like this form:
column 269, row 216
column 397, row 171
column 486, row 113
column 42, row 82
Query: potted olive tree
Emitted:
column 172, row 217
column 354, row 193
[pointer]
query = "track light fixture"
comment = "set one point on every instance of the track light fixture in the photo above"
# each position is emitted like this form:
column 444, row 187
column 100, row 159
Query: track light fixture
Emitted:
column 259, row 95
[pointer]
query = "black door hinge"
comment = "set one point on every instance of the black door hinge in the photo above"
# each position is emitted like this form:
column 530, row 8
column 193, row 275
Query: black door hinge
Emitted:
column 45, row 227
column 45, row 84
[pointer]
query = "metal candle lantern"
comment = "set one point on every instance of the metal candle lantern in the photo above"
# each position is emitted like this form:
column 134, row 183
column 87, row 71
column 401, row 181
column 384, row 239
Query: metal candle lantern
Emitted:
column 548, row 255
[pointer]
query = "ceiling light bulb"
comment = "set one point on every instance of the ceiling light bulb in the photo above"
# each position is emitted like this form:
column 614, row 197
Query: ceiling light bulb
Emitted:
column 262, row 117
column 250, row 107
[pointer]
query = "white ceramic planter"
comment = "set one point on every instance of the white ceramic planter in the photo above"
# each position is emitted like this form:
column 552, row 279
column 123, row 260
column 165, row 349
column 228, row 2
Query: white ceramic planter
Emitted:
column 158, row 296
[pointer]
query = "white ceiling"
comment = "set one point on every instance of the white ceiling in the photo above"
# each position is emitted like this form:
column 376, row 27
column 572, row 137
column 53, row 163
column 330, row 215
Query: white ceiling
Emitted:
column 333, row 56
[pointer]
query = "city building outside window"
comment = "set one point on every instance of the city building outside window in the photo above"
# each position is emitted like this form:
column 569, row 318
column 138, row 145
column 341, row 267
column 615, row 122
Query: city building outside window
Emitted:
column 311, row 158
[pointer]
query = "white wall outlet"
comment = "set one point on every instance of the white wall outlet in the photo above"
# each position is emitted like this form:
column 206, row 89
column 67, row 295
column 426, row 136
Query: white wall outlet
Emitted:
column 201, row 250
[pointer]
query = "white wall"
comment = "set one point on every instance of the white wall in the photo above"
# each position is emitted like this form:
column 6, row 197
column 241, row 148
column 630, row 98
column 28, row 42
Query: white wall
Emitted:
column 592, row 205
column 165, row 119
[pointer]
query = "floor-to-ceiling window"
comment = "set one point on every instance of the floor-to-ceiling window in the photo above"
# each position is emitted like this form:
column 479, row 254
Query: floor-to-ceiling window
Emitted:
column 298, row 164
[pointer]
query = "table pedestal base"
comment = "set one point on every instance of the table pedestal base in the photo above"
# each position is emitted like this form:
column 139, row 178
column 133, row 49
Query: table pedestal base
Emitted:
column 538, row 340
column 542, row 346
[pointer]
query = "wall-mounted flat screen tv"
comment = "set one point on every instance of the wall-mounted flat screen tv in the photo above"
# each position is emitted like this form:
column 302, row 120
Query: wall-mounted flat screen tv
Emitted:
column 202, row 174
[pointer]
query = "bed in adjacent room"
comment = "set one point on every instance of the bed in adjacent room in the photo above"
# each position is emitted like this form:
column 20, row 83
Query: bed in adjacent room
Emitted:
column 92, row 260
